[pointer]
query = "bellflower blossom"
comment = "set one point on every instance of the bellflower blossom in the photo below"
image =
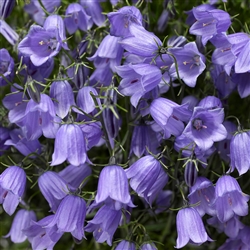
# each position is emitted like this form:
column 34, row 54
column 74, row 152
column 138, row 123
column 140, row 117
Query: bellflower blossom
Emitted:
column 12, row 186
column 122, row 19
column 229, row 199
column 125, row 245
column 6, row 67
column 21, row 221
column 113, row 188
column 53, row 187
column 10, row 35
column 43, row 43
column 190, row 228
column 69, row 145
column 70, row 216
column 205, row 127
column 190, row 63
column 76, row 18
column 42, row 237
column 141, row 42
column 6, row 7
column 40, row 118
column 138, row 80
column 209, row 23
column 239, row 152
column 104, row 224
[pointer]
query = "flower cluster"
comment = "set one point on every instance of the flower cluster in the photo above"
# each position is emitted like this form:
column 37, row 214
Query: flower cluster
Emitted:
column 115, row 132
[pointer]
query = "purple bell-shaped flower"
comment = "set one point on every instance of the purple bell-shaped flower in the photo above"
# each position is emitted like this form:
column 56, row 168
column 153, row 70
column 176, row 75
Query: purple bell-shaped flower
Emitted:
column 12, row 186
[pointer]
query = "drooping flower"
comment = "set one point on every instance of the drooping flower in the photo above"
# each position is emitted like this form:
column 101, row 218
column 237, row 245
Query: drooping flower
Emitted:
column 104, row 224
column 53, row 187
column 76, row 18
column 113, row 188
column 190, row 63
column 122, row 19
column 70, row 216
column 205, row 127
column 202, row 192
column 69, row 145
column 125, row 245
column 239, row 152
column 190, row 228
column 143, row 174
column 229, row 199
column 6, row 67
column 231, row 227
column 62, row 93
column 21, row 221
column 12, row 186
column 42, row 237
column 138, row 80
column 10, row 35
column 148, row 246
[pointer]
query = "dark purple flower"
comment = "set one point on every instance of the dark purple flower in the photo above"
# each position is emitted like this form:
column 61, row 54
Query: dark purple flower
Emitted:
column 69, row 145
column 243, row 83
column 223, row 147
column 190, row 63
column 190, row 173
column 125, row 245
column 138, row 80
column 6, row 67
column 75, row 175
column 122, row 19
column 76, row 18
column 222, row 81
column 63, row 96
column 190, row 228
column 113, row 188
column 53, row 187
column 42, row 237
column 209, row 23
column 239, row 152
column 70, row 216
column 40, row 44
column 10, row 35
column 205, row 127
column 21, row 221
column 229, row 199
column 6, row 7
column 143, row 136
column 4, row 136
column 104, row 224
column 203, row 192
column 12, row 186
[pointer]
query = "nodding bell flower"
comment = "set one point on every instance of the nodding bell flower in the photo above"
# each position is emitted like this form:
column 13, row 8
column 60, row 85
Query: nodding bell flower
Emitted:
column 22, row 220
column 125, row 245
column 6, row 7
column 190, row 228
column 229, row 199
column 69, row 145
column 113, row 188
column 12, row 186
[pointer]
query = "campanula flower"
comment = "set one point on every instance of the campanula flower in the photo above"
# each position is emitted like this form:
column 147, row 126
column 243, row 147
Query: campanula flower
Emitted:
column 125, row 245
column 6, row 7
column 6, row 67
column 21, row 221
column 190, row 228
column 229, row 199
column 69, row 145
column 12, row 187
column 10, row 35
column 104, row 224
column 113, row 188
